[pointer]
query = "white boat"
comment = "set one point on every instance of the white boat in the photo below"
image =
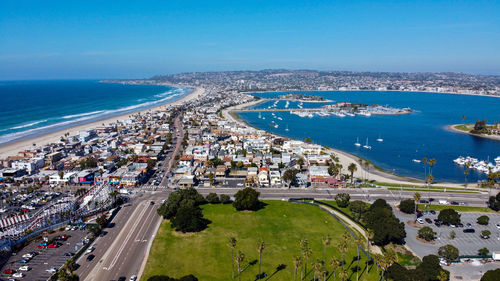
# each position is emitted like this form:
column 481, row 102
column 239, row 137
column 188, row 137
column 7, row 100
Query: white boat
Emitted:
column 357, row 142
column 286, row 128
column 260, row 116
column 416, row 160
column 380, row 139
column 279, row 118
column 366, row 145
column 276, row 126
column 349, row 114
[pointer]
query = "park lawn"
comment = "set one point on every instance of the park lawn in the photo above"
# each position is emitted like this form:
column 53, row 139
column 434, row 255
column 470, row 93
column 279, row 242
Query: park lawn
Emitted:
column 437, row 207
column 280, row 224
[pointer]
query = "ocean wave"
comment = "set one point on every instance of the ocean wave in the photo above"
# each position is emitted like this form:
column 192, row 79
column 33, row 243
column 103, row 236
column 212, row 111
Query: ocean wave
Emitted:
column 82, row 114
column 85, row 117
column 26, row 125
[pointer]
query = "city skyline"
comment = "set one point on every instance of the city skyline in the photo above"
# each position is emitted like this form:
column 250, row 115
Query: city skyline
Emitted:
column 138, row 40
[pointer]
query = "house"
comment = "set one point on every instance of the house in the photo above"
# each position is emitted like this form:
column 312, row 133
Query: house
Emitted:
column 220, row 171
column 85, row 177
column 186, row 181
column 263, row 177
column 186, row 160
column 131, row 178
column 275, row 178
column 252, row 177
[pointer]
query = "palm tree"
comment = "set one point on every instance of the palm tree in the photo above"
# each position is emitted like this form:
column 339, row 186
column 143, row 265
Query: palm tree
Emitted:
column 297, row 262
column 388, row 259
column 334, row 263
column 232, row 245
column 260, row 249
column 343, row 274
column 377, row 258
column 352, row 168
column 323, row 274
column 359, row 243
column 326, row 242
column 317, row 266
column 442, row 276
column 240, row 257
column 425, row 167
column 466, row 172
column 416, row 197
column 307, row 256
column 342, row 245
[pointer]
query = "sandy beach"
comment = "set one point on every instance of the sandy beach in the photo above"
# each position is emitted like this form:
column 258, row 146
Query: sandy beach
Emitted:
column 452, row 128
column 346, row 158
column 15, row 147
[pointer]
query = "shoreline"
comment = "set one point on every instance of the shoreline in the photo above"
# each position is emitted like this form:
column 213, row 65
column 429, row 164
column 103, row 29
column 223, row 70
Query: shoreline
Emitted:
column 427, row 92
column 373, row 173
column 452, row 128
column 11, row 149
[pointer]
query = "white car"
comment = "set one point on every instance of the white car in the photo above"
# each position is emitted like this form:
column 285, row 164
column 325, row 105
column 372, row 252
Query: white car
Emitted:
column 90, row 250
column 51, row 270
column 24, row 268
column 28, row 256
column 498, row 225
column 18, row 275
column 133, row 277
column 421, row 221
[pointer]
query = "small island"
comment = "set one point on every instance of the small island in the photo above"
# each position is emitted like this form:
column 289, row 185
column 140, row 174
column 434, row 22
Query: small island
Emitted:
column 478, row 129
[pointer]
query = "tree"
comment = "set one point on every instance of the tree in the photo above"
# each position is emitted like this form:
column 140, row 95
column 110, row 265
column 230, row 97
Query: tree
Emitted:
column 289, row 176
column 307, row 140
column 326, row 240
column 101, row 221
column 483, row 220
column 416, row 197
column 494, row 202
column 491, row 275
column 352, row 168
column 232, row 244
column 189, row 218
column 485, row 233
column 453, row 234
column 385, row 226
column 342, row 199
column 343, row 246
column 343, row 274
column 426, row 233
column 483, row 252
column 240, row 258
column 449, row 216
column 300, row 161
column 334, row 263
column 169, row 209
column 225, row 199
column 448, row 252
column 260, row 248
column 307, row 256
column 407, row 206
column 297, row 263
column 304, row 245
column 246, row 199
column 359, row 243
column 213, row 198
column 358, row 208
column 442, row 276
column 317, row 266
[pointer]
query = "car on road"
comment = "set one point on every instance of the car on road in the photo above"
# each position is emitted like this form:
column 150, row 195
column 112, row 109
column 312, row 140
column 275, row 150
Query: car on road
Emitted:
column 133, row 278
column 18, row 275
column 239, row 184
column 469, row 230
column 90, row 257
column 122, row 278
column 151, row 202
column 424, row 201
column 454, row 203
column 25, row 268
column 51, row 270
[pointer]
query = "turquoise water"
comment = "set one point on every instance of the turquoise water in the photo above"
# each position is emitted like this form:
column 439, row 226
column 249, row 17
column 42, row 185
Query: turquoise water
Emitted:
column 406, row 137
column 32, row 108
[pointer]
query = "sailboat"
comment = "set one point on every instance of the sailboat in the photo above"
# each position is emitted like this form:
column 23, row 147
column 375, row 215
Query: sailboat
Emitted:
column 286, row 128
column 366, row 145
column 380, row 139
column 357, row 142
column 260, row 116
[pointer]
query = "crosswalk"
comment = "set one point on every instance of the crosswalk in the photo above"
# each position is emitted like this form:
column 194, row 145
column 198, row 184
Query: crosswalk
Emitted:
column 153, row 187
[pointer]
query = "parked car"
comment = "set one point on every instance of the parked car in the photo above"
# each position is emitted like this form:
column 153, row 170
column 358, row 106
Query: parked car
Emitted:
column 469, row 225
column 51, row 270
column 421, row 221
column 428, row 220
column 469, row 230
column 41, row 246
column 90, row 257
column 9, row 271
column 432, row 212
column 484, row 236
column 437, row 223
column 90, row 250
column 54, row 245
column 133, row 278
column 497, row 225
column 25, row 268
column 18, row 275
column 23, row 260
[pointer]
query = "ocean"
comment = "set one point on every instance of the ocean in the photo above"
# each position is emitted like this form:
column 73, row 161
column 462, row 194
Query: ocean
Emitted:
column 33, row 108
column 405, row 137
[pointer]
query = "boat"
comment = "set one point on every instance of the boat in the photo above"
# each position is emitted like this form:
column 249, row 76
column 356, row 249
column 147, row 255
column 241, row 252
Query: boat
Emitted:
column 416, row 160
column 260, row 116
column 276, row 126
column 357, row 142
column 380, row 139
column 286, row 128
column 366, row 145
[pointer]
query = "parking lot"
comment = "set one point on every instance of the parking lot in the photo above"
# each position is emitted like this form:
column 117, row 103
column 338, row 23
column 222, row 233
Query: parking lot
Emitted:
column 44, row 258
column 466, row 243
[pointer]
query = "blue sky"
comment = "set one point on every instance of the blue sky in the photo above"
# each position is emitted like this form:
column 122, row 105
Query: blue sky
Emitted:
column 136, row 39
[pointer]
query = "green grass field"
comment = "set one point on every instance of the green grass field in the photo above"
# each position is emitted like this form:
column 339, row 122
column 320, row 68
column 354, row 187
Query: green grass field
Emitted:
column 437, row 207
column 280, row 224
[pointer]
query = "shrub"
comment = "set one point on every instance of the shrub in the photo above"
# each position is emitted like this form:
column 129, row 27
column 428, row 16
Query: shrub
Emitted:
column 449, row 216
column 386, row 227
column 448, row 252
column 189, row 218
column 342, row 199
column 485, row 233
column 212, row 198
column 246, row 199
column 491, row 275
column 426, row 233
column 225, row 199
column 483, row 220
column 407, row 206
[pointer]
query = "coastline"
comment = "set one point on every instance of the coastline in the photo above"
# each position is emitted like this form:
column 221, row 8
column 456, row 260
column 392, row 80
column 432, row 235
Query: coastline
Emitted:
column 452, row 128
column 13, row 148
column 345, row 158
column 429, row 92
